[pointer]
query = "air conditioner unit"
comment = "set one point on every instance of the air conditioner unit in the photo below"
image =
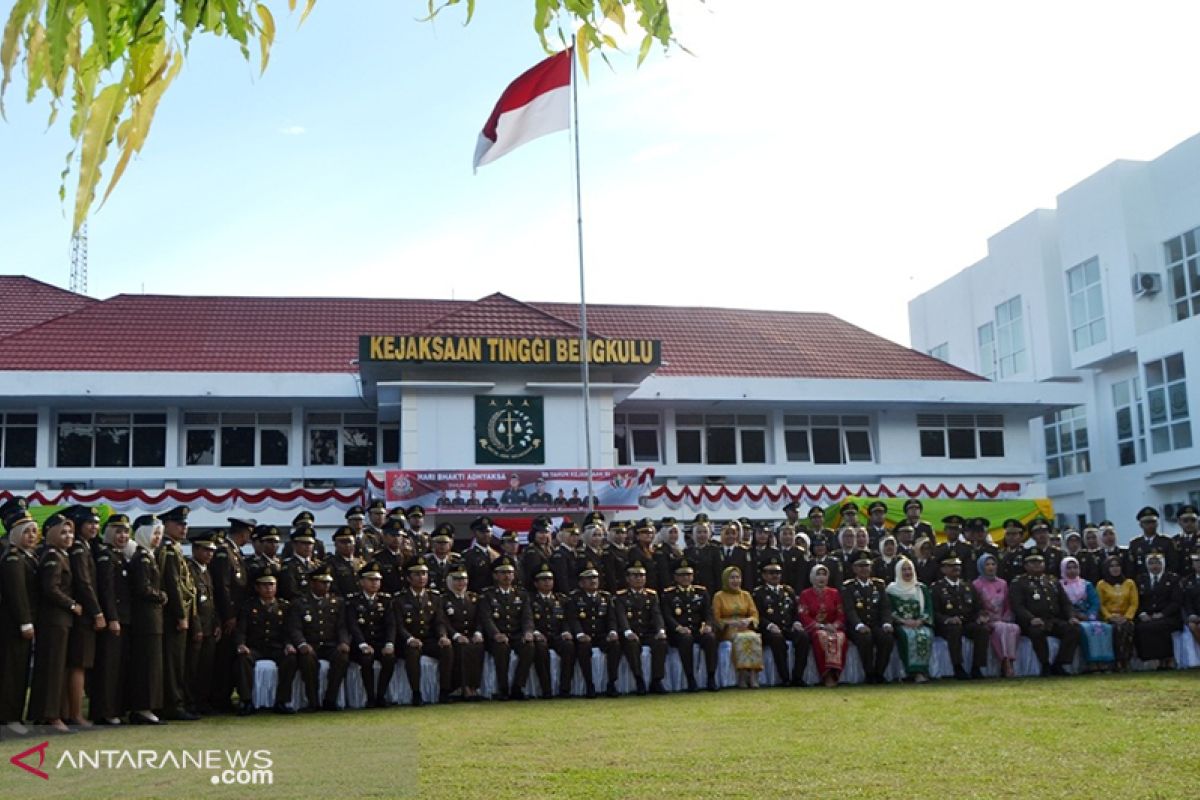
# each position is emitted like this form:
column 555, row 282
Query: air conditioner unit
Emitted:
column 1146, row 284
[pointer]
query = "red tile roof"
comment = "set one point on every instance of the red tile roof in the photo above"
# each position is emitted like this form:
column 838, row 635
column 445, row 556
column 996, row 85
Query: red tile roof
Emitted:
column 304, row 334
column 25, row 302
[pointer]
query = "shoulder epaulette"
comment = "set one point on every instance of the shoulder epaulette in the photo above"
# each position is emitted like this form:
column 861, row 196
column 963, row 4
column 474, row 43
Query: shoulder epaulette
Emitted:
column 670, row 589
column 622, row 591
column 699, row 587
column 651, row 591
column 848, row 582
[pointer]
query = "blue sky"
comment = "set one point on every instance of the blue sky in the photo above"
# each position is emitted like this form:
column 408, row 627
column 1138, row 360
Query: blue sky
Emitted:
column 829, row 157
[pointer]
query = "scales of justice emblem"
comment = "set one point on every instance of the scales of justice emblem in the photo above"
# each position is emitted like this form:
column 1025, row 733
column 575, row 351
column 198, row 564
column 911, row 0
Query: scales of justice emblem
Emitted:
column 511, row 430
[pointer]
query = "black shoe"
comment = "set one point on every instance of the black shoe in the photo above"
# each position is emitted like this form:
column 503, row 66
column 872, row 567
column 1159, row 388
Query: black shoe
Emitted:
column 446, row 697
column 310, row 709
column 1057, row 670
column 329, row 706
column 656, row 687
column 181, row 715
column 591, row 692
column 976, row 674
column 692, row 687
column 517, row 694
column 641, row 687
column 612, row 690
column 712, row 684
column 283, row 708
column 246, row 710
column 960, row 673
column 417, row 700
column 383, row 703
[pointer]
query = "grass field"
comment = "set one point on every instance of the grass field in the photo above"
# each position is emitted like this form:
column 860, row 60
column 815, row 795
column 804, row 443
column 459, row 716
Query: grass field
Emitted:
column 1127, row 736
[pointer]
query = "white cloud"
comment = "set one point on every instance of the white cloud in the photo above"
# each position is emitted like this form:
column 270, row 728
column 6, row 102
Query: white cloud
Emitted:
column 293, row 130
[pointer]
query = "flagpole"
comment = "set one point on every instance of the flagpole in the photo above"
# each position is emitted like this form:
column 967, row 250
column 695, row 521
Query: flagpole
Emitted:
column 583, row 326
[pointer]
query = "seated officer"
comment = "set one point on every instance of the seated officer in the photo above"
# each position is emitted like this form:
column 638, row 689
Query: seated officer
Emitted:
column 1043, row 610
column 593, row 624
column 687, row 614
column 460, row 610
column 317, row 628
column 508, row 625
column 776, row 603
column 422, row 631
column 372, row 628
column 868, row 619
column 550, row 632
column 955, row 615
column 261, row 634
column 639, row 619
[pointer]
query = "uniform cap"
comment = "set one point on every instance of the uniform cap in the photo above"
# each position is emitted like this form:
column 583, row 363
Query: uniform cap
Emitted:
column 176, row 514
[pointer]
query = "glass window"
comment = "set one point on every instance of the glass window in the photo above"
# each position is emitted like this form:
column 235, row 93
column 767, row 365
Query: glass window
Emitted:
column 1085, row 301
column 1010, row 338
column 1066, row 435
column 941, row 352
column 1167, row 404
column 1183, row 274
column 754, row 446
column 828, row 438
column 961, row 436
column 795, row 441
column 636, row 437
column 987, row 350
column 18, row 439
column 237, row 438
column 349, row 439
column 111, row 439
column 1131, row 431
column 687, row 446
column 720, row 445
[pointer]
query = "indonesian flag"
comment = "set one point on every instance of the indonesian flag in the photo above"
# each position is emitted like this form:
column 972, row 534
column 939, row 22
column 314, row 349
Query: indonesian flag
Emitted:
column 535, row 104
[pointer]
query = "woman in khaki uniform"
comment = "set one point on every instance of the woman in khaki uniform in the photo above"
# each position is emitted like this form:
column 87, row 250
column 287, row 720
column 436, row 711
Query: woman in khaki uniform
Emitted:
column 56, row 614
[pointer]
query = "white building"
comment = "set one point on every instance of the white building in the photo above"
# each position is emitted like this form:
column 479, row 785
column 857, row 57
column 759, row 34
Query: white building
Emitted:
column 1104, row 291
column 277, row 404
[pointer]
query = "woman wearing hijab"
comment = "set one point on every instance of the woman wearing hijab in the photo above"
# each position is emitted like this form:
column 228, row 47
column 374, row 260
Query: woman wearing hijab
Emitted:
column 912, row 615
column 1118, row 607
column 18, row 607
column 112, row 643
column 995, row 612
column 145, row 682
column 884, row 565
column 57, row 610
column 737, row 621
column 929, row 571
column 1097, row 635
column 1158, row 617
column 820, row 610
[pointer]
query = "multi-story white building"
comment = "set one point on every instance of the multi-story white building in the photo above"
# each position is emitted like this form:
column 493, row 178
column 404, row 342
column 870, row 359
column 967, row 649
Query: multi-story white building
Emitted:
column 276, row 404
column 1102, row 291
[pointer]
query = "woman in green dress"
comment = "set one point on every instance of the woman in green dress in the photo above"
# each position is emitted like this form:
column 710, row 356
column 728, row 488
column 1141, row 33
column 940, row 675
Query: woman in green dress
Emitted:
column 912, row 611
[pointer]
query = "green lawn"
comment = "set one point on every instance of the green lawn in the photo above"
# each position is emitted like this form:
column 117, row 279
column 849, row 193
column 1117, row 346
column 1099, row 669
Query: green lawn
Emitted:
column 1128, row 736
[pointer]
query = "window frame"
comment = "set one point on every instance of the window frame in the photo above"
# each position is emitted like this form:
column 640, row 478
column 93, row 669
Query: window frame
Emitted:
column 1064, row 462
column 1176, row 425
column 236, row 419
column 131, row 426
column 350, row 419
column 738, row 423
column 980, row 425
column 1087, row 292
column 846, row 425
column 624, row 425
column 7, row 426
column 1183, row 269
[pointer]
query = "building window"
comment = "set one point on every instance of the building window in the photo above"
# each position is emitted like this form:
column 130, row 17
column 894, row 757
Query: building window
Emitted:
column 350, row 439
column 941, row 352
column 1131, row 424
column 1167, row 404
column 236, row 438
column 1067, row 443
column 1010, row 338
column 721, row 438
column 987, row 351
column 111, row 439
column 961, row 436
column 1085, row 299
column 828, row 438
column 1183, row 273
column 636, row 438
column 18, row 439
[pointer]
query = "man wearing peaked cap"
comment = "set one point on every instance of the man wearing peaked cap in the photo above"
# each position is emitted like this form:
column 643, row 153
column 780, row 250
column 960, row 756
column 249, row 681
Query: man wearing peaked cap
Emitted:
column 266, row 540
column 460, row 611
column 956, row 609
column 565, row 559
column 876, row 527
column 377, row 514
column 316, row 626
column 776, row 604
column 343, row 563
column 687, row 616
column 912, row 513
column 421, row 630
column 371, row 623
column 294, row 570
column 640, row 622
column 954, row 545
column 442, row 561
column 205, row 626
column 1149, row 542
column 231, row 585
column 1187, row 541
column 262, row 634
column 1043, row 609
column 478, row 557
column 178, row 612
column 548, row 610
column 508, row 626
column 791, row 511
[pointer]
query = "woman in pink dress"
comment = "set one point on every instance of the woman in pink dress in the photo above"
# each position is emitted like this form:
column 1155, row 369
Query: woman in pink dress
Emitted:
column 996, row 614
column 820, row 611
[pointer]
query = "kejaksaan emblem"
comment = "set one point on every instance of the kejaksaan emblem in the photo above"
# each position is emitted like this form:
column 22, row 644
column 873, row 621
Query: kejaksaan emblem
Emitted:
column 509, row 429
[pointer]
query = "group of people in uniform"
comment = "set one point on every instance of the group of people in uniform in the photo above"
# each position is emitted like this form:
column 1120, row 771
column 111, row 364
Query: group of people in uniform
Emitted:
column 149, row 633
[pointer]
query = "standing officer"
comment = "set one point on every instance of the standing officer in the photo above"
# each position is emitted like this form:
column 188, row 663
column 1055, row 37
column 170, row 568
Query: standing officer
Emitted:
column 105, row 690
column 593, row 624
column 377, row 515
column 477, row 559
column 956, row 610
column 1042, row 610
column 261, row 634
column 1151, row 541
column 912, row 515
column 442, row 560
column 368, row 538
column 548, row 610
column 704, row 555
column 231, row 587
column 343, row 564
column 687, row 615
column 266, row 544
column 204, row 629
column 869, row 619
column 793, row 559
column 81, row 648
column 639, row 619
column 508, row 624
column 421, row 631
column 776, row 602
column 1011, row 557
column 876, row 529
column 954, row 545
column 391, row 559
column 460, row 611
column 563, row 559
column 372, row 627
column 293, row 573
column 180, row 608
column 735, row 554
column 316, row 627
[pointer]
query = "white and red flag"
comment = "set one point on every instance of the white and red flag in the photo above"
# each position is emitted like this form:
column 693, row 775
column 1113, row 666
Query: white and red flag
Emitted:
column 535, row 104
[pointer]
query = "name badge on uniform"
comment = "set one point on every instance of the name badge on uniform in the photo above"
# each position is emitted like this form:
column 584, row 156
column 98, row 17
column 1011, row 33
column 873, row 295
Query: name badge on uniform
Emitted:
column 950, row 606
column 1037, row 596
column 450, row 611
column 678, row 612
column 308, row 617
column 583, row 615
column 203, row 598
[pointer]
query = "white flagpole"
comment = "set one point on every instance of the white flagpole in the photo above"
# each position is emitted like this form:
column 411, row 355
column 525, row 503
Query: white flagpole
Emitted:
column 583, row 326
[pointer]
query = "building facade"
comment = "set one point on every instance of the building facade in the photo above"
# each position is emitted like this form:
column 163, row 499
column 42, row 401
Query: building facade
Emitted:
column 269, row 405
column 1102, row 292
